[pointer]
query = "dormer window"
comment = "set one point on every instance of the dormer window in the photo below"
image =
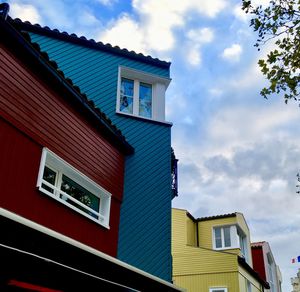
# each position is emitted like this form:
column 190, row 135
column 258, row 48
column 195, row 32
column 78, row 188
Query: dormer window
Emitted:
column 136, row 98
column 141, row 94
column 230, row 236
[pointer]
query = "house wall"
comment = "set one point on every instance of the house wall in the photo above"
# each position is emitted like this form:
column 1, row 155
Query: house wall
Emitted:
column 244, row 276
column 34, row 116
column 258, row 261
column 145, row 222
column 200, row 268
column 202, row 283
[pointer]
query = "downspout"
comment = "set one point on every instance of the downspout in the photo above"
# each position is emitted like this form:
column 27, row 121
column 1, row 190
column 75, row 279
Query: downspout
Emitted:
column 197, row 233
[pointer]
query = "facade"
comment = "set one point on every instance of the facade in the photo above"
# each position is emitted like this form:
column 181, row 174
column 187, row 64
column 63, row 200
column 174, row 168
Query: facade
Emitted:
column 296, row 282
column 213, row 254
column 62, row 180
column 130, row 89
column 264, row 263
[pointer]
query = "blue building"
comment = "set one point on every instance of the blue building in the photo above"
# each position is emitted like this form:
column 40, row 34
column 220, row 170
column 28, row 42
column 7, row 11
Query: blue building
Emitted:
column 130, row 89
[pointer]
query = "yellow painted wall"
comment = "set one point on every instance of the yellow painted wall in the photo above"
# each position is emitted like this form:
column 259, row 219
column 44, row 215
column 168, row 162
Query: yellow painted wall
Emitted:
column 200, row 268
column 202, row 283
column 243, row 277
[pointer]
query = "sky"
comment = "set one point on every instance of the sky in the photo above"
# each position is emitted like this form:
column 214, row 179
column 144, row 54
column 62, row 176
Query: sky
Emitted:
column 237, row 151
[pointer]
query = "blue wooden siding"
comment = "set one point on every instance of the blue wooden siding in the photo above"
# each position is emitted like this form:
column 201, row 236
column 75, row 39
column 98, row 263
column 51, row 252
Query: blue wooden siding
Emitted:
column 145, row 223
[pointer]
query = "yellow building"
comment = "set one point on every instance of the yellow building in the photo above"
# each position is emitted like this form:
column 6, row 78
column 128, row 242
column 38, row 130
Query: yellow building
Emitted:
column 213, row 254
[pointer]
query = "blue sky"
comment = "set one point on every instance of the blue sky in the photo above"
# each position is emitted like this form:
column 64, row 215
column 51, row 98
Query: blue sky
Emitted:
column 237, row 151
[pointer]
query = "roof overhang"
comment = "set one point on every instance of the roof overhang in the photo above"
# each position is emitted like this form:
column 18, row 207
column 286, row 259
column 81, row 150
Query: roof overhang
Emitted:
column 36, row 255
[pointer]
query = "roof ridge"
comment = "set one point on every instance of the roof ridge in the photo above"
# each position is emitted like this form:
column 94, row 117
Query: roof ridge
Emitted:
column 91, row 42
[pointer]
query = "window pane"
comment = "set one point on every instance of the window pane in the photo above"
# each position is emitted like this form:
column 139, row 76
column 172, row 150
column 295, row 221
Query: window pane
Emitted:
column 227, row 240
column 145, row 102
column 218, row 238
column 126, row 96
column 81, row 194
column 49, row 176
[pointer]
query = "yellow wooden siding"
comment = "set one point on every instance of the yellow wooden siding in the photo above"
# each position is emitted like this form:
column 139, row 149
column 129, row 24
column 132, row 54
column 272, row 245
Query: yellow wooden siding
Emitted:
column 200, row 268
column 243, row 277
column 194, row 260
column 191, row 232
column 205, row 229
column 202, row 283
column 243, row 225
column 179, row 230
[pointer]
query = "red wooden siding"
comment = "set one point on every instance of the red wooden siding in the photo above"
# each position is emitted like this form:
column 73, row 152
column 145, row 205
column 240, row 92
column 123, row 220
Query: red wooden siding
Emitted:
column 34, row 116
column 258, row 261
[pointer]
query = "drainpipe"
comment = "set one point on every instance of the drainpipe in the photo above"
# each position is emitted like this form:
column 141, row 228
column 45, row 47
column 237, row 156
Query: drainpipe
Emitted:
column 4, row 8
column 197, row 233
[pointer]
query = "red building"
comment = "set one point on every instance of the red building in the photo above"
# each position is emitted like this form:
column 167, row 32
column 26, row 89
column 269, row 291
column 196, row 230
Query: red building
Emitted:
column 61, row 177
column 264, row 264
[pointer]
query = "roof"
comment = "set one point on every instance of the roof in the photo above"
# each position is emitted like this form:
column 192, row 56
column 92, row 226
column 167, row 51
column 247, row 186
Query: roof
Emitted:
column 217, row 217
column 257, row 244
column 30, row 53
column 82, row 40
column 253, row 273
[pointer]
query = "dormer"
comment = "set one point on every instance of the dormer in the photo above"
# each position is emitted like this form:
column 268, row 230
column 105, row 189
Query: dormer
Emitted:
column 141, row 94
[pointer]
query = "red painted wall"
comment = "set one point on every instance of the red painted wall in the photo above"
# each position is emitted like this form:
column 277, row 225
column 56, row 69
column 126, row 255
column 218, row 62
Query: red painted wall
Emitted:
column 258, row 261
column 36, row 116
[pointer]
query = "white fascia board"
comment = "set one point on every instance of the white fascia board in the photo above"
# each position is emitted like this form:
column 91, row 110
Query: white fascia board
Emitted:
column 144, row 76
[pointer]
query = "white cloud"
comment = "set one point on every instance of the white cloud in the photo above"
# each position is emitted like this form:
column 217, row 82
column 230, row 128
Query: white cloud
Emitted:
column 240, row 14
column 201, row 35
column 232, row 53
column 155, row 22
column 194, row 56
column 25, row 12
column 107, row 2
column 196, row 38
column 121, row 33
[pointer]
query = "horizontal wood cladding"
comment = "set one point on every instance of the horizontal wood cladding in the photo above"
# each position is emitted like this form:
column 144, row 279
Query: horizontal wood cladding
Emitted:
column 202, row 283
column 195, row 260
column 20, row 158
column 145, row 220
column 32, row 106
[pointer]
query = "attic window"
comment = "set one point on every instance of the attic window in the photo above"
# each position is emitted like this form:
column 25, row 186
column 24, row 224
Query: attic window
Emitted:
column 141, row 94
column 64, row 183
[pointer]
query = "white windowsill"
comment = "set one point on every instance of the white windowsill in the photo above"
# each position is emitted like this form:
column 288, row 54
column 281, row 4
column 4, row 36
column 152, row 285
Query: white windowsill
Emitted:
column 144, row 118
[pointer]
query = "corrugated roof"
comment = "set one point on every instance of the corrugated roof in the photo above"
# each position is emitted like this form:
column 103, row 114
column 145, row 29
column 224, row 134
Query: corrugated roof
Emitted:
column 90, row 43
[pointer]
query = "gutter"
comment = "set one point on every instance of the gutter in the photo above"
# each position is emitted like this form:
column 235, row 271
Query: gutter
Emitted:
column 253, row 273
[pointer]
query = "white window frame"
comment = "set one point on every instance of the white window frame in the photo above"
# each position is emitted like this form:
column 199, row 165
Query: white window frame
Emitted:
column 243, row 244
column 249, row 286
column 218, row 289
column 159, row 87
column 58, row 165
column 233, row 237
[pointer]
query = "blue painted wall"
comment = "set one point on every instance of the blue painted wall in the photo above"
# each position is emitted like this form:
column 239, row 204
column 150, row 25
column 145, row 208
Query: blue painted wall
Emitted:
column 145, row 223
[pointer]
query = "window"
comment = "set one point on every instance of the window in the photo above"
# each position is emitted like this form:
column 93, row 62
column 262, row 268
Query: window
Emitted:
column 243, row 244
column 141, row 94
column 136, row 98
column 224, row 237
column 218, row 290
column 270, row 272
column 63, row 182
